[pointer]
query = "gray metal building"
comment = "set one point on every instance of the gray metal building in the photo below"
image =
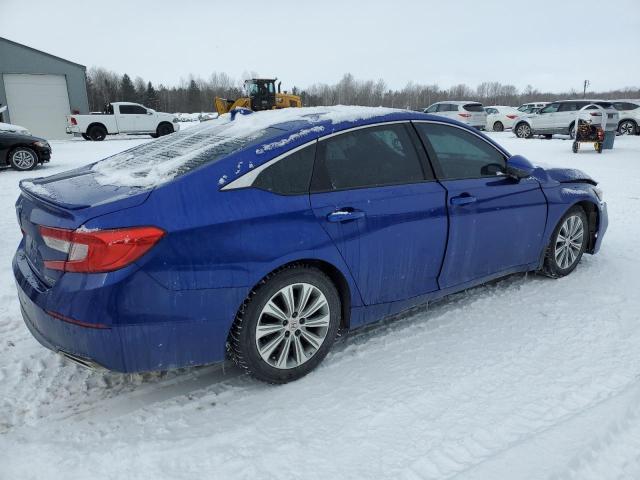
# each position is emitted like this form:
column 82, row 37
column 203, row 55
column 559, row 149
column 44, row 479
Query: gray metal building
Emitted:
column 40, row 89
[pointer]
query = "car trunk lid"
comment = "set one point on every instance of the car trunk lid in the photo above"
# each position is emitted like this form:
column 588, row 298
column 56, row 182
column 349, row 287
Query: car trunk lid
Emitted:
column 66, row 201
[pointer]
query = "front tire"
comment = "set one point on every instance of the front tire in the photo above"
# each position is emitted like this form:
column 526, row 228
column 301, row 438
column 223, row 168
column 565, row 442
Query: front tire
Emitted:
column 523, row 130
column 164, row 129
column 567, row 245
column 627, row 127
column 498, row 127
column 23, row 159
column 287, row 325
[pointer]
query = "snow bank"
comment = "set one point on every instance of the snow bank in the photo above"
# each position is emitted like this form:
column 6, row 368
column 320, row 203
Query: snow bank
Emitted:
column 158, row 162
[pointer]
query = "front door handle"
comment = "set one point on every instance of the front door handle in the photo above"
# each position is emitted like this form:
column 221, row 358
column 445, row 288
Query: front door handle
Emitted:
column 464, row 199
column 344, row 215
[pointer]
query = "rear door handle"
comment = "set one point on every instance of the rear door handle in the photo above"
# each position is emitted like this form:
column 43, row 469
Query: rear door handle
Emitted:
column 344, row 215
column 464, row 199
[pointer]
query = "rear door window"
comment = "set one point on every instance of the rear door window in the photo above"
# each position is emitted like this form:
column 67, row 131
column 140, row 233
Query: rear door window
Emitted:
column 370, row 157
column 460, row 154
column 432, row 109
column 290, row 175
column 568, row 107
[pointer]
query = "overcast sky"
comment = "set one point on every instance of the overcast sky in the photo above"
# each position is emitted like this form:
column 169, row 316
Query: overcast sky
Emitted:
column 552, row 45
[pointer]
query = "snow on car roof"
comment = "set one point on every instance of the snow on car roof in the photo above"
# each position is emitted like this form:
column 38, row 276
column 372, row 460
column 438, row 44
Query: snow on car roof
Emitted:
column 162, row 160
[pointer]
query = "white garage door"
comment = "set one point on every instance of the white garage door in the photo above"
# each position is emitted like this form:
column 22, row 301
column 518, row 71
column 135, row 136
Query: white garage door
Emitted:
column 38, row 102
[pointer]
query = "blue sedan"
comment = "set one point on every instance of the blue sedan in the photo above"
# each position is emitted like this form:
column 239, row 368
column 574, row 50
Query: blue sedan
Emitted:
column 258, row 236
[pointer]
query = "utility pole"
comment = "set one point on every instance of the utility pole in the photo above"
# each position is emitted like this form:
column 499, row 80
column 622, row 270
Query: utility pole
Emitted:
column 584, row 89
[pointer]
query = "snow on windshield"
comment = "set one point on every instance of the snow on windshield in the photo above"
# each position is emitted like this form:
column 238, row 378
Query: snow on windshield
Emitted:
column 162, row 160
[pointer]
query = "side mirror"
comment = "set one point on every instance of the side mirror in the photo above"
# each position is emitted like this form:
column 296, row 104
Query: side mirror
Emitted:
column 150, row 111
column 519, row 167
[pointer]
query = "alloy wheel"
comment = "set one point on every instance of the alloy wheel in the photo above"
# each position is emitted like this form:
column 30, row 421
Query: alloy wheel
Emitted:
column 524, row 131
column 292, row 325
column 626, row 128
column 23, row 159
column 569, row 242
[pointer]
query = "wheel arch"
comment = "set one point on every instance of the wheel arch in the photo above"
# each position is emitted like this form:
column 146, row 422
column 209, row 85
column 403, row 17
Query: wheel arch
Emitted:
column 337, row 277
column 96, row 124
column 13, row 148
column 593, row 217
column 164, row 122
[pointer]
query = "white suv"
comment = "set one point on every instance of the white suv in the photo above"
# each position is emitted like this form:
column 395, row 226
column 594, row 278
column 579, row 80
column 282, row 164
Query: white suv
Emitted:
column 471, row 113
column 559, row 118
column 629, row 116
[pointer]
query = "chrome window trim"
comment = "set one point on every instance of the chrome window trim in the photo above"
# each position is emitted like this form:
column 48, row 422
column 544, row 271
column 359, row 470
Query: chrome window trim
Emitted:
column 248, row 178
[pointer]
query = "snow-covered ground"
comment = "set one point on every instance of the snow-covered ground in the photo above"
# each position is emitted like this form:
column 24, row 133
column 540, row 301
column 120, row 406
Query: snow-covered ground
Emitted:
column 526, row 378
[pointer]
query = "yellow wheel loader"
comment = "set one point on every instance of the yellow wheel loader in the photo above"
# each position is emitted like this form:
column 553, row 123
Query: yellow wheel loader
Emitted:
column 261, row 95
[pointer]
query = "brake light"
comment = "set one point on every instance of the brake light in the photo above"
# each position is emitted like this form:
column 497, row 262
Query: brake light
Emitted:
column 99, row 250
column 511, row 117
column 465, row 115
column 74, row 121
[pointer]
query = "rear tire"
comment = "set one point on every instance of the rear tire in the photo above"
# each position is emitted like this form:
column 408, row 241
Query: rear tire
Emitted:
column 97, row 133
column 567, row 244
column 272, row 337
column 23, row 159
column 86, row 137
column 498, row 127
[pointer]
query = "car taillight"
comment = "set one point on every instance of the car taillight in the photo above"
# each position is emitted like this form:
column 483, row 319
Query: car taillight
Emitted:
column 511, row 117
column 74, row 121
column 99, row 250
column 465, row 115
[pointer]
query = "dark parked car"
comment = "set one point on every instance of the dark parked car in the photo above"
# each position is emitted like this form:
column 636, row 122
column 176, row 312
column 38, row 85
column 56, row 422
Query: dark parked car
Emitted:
column 22, row 152
column 258, row 237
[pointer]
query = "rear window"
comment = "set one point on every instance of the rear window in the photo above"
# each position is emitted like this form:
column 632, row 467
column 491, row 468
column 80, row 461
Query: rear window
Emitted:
column 173, row 155
column 474, row 107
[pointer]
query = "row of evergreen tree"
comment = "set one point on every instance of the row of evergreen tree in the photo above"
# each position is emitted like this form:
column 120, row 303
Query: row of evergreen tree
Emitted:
column 197, row 94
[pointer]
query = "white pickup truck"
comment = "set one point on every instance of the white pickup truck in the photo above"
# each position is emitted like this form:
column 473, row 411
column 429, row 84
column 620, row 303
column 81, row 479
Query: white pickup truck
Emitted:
column 122, row 117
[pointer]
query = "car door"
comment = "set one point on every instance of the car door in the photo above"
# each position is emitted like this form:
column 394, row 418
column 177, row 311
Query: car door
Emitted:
column 375, row 195
column 447, row 110
column 565, row 116
column 146, row 120
column 544, row 121
column 128, row 118
column 495, row 222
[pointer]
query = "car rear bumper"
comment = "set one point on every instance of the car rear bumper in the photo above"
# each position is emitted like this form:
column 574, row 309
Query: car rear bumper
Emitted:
column 73, row 130
column 163, row 338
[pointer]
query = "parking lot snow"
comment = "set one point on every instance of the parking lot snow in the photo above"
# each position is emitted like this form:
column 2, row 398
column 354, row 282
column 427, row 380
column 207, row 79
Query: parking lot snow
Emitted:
column 525, row 378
